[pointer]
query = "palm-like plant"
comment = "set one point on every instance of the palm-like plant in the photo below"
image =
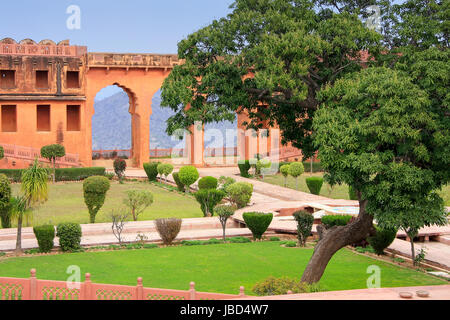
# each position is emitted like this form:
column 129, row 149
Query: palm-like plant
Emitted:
column 35, row 192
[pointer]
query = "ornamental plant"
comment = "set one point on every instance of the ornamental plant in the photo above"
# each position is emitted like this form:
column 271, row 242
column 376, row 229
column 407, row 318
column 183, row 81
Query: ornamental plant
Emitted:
column 69, row 236
column 257, row 222
column 208, row 199
column 208, row 183
column 240, row 194
column 51, row 153
column 382, row 239
column 296, row 169
column 188, row 176
column 137, row 201
column 336, row 220
column 164, row 169
column 168, row 229
column 305, row 221
column 120, row 165
column 5, row 198
column 224, row 213
column 284, row 170
column 244, row 167
column 95, row 189
column 151, row 169
column 45, row 236
column 314, row 184
column 177, row 180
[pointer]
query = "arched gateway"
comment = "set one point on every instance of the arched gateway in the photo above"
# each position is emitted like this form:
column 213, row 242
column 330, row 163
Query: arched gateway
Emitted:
column 47, row 94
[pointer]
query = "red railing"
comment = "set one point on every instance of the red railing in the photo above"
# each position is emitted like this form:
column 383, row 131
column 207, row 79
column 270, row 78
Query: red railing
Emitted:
column 27, row 153
column 34, row 289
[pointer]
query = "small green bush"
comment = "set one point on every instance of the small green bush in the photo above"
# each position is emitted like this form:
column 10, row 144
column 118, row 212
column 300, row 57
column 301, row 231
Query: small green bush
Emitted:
column 188, row 176
column 224, row 182
column 257, row 222
column 314, row 184
column 120, row 165
column 150, row 246
column 284, row 170
column 151, row 169
column 69, row 236
column 239, row 240
column 352, row 194
column 5, row 198
column 336, row 220
column 305, row 222
column 244, row 167
column 296, row 169
column 208, row 199
column 45, row 236
column 289, row 244
column 275, row 239
column 280, row 286
column 208, row 183
column 95, row 189
column 382, row 239
column 240, row 194
column 180, row 185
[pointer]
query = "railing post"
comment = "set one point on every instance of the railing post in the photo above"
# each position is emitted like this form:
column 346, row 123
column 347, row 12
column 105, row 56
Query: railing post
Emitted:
column 33, row 285
column 241, row 292
column 86, row 288
column 192, row 293
column 139, row 290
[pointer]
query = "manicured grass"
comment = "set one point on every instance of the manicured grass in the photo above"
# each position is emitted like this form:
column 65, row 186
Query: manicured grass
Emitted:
column 66, row 203
column 214, row 268
column 337, row 192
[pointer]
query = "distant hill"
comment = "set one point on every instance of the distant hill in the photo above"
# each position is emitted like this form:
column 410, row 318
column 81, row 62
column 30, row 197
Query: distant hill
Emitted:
column 111, row 125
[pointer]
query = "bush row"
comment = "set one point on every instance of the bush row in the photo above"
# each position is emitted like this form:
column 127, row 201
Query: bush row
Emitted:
column 63, row 174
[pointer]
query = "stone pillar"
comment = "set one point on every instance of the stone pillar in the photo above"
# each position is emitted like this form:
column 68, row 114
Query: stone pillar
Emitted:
column 195, row 144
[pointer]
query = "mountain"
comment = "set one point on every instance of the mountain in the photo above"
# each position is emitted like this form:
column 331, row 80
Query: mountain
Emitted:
column 111, row 125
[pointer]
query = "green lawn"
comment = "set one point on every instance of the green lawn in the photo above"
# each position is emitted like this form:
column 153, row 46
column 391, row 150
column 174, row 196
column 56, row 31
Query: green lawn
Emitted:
column 214, row 268
column 66, row 203
column 337, row 192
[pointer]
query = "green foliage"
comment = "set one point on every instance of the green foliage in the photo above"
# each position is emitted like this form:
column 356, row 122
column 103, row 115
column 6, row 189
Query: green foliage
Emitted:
column 244, row 167
column 284, row 170
column 168, row 229
column 240, row 194
column 52, row 152
column 45, row 235
column 61, row 174
column 120, row 165
column 181, row 187
column 151, row 169
column 137, row 201
column 280, row 286
column 382, row 239
column 5, row 197
column 274, row 239
column 257, row 222
column 188, row 176
column 110, row 176
column 314, row 184
column 296, row 169
column 164, row 169
column 352, row 193
column 336, row 220
column 190, row 243
column 69, row 236
column 224, row 213
column 95, row 189
column 2, row 153
column 224, row 182
column 208, row 183
column 34, row 184
column 208, row 199
column 239, row 240
column 289, row 244
column 305, row 221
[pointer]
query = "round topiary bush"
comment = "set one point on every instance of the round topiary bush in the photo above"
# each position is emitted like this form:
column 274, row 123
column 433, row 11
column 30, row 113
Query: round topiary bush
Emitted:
column 95, row 189
column 69, row 236
column 284, row 170
column 296, row 169
column 151, row 169
column 257, row 222
column 314, row 184
column 382, row 239
column 240, row 194
column 188, row 176
column 208, row 183
column 45, row 236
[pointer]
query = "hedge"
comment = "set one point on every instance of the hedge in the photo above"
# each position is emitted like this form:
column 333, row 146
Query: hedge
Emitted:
column 317, row 166
column 314, row 185
column 62, row 174
column 336, row 220
column 257, row 222
column 45, row 236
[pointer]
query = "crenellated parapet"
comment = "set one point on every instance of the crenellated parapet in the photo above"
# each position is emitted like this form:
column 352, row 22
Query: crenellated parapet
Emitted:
column 29, row 47
column 132, row 60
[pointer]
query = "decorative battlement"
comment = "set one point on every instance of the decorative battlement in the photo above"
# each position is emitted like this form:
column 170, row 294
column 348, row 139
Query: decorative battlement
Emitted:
column 132, row 60
column 29, row 47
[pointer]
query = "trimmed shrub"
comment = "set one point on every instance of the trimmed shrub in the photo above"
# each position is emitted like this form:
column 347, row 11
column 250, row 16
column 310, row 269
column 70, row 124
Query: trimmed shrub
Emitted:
column 2, row 153
column 284, row 170
column 257, row 222
column 239, row 240
column 382, row 239
column 5, row 197
column 336, row 220
column 180, row 185
column 151, row 169
column 208, row 183
column 120, row 166
column 69, row 236
column 224, row 213
column 280, row 286
column 188, row 176
column 45, row 236
column 168, row 229
column 352, row 194
column 305, row 223
column 296, row 169
column 62, row 174
column 289, row 244
column 167, row 169
column 224, row 182
column 95, row 189
column 240, row 194
column 208, row 199
column 314, row 184
column 244, row 167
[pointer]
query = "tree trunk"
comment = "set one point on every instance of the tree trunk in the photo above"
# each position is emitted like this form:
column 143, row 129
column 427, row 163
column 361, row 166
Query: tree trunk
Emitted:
column 413, row 252
column 19, row 234
column 334, row 239
column 54, row 171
